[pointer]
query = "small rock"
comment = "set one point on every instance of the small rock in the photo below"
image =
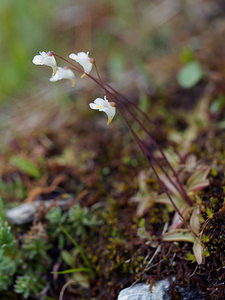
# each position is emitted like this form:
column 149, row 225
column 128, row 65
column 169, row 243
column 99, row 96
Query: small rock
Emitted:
column 21, row 214
column 24, row 213
column 141, row 291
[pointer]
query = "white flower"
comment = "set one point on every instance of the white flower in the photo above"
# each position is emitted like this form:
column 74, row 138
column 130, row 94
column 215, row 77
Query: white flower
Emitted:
column 83, row 59
column 45, row 59
column 106, row 106
column 63, row 73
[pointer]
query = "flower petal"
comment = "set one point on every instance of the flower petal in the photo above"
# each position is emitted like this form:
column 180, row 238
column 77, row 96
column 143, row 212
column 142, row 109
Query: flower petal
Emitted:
column 93, row 106
column 100, row 102
column 62, row 73
column 45, row 59
column 73, row 56
column 37, row 60
column 83, row 59
column 104, row 105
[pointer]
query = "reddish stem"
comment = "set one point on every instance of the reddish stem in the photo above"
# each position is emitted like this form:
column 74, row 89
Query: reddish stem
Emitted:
column 102, row 85
column 153, row 168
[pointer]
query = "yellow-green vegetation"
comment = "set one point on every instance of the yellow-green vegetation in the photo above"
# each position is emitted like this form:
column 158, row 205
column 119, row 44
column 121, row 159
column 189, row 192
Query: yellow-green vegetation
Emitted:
column 22, row 33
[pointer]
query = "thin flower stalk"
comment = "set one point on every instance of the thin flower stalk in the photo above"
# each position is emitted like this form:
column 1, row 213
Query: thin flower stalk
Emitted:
column 147, row 118
column 182, row 191
column 178, row 187
column 97, row 72
column 119, row 102
column 142, row 148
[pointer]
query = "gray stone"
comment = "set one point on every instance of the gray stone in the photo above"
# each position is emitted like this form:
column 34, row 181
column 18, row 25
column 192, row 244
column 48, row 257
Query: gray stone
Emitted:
column 24, row 213
column 141, row 291
column 21, row 214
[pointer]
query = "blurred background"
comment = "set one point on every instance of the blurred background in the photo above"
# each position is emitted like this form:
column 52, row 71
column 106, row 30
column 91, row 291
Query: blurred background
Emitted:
column 138, row 45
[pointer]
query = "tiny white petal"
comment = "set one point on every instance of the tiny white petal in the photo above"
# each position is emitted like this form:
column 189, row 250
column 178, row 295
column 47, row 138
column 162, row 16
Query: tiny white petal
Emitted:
column 83, row 59
column 73, row 56
column 62, row 73
column 93, row 106
column 45, row 59
column 104, row 105
column 37, row 60
column 101, row 102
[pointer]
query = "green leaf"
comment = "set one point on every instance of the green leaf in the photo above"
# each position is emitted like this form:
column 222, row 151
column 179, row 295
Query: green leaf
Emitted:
column 81, row 251
column 217, row 104
column 74, row 271
column 26, row 166
column 190, row 74
column 30, row 283
column 209, row 212
column 55, row 215
column 190, row 257
column 198, row 251
column 179, row 235
column 68, row 257
column 7, row 240
column 142, row 223
column 187, row 54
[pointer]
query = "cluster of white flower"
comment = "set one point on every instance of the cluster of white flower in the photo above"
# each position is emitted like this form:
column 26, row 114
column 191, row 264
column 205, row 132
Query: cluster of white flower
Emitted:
column 59, row 73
